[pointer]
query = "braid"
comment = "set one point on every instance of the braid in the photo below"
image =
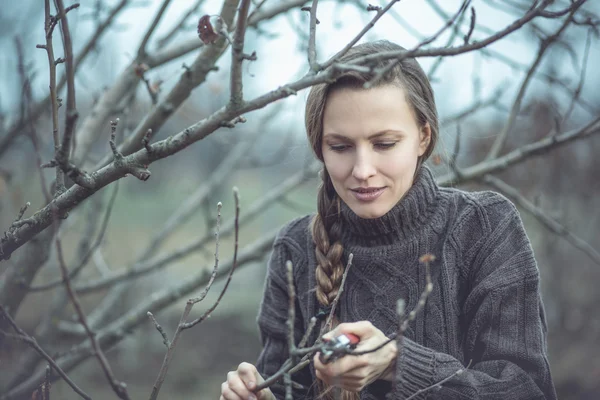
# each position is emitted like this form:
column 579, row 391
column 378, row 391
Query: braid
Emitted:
column 327, row 232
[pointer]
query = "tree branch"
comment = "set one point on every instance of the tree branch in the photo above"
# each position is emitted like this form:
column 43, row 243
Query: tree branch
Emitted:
column 516, row 107
column 33, row 343
column 237, row 57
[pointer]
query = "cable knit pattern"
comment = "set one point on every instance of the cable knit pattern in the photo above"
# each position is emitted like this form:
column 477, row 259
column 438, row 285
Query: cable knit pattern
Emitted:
column 485, row 306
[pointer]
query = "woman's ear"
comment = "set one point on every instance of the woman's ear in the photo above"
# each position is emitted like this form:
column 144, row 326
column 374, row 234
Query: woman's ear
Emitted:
column 424, row 138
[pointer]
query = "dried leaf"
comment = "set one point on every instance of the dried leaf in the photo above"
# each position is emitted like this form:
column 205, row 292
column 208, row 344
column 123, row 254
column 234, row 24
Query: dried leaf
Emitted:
column 206, row 31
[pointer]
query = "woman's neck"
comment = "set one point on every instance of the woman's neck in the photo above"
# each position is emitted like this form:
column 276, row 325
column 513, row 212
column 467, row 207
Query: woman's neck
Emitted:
column 398, row 224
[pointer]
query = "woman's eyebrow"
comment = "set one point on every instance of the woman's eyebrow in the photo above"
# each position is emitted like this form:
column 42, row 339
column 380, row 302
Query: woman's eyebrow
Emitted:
column 373, row 136
column 382, row 133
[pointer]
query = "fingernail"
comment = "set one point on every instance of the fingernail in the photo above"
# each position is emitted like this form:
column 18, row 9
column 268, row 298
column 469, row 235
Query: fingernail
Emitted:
column 252, row 397
column 251, row 385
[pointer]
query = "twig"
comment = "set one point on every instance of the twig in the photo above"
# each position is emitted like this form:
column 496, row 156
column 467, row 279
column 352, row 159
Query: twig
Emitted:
column 183, row 325
column 237, row 56
column 71, row 116
column 311, row 326
column 33, row 343
column 252, row 212
column 336, row 300
column 290, row 365
column 371, row 24
column 160, row 43
column 146, row 141
column 471, row 26
column 141, row 53
column 516, row 107
column 455, row 32
column 210, row 124
column 521, row 154
column 312, row 45
column 86, row 257
column 49, row 28
column 233, row 265
column 291, row 319
column 118, row 387
column 390, row 65
column 425, row 259
column 584, row 64
column 139, row 171
column 160, row 330
column 400, row 310
column 440, row 383
column 115, row 331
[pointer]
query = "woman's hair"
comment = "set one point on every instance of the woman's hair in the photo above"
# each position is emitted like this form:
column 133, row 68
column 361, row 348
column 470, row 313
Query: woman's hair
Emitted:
column 326, row 228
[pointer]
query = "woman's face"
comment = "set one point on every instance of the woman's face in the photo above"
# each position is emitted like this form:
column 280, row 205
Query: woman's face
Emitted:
column 371, row 143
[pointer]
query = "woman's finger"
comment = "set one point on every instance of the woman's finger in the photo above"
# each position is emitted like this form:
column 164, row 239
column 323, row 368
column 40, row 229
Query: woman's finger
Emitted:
column 249, row 375
column 227, row 393
column 237, row 385
column 341, row 366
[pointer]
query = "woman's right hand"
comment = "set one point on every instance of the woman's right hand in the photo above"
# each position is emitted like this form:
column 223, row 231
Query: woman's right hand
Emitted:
column 241, row 383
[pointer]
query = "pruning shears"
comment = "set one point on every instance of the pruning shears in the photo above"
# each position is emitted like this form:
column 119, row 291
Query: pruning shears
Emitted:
column 337, row 347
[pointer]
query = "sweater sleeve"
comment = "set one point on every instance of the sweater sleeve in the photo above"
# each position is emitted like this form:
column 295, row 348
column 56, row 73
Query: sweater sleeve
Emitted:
column 504, row 322
column 272, row 319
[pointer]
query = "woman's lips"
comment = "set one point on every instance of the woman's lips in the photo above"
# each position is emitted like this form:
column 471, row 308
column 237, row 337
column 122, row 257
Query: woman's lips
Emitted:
column 367, row 194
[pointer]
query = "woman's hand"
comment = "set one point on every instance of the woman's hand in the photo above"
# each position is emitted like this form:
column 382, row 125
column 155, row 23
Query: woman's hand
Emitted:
column 353, row 373
column 241, row 383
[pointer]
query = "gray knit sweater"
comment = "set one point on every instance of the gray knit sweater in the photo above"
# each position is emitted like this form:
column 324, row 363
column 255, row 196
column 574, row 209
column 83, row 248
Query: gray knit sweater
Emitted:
column 485, row 306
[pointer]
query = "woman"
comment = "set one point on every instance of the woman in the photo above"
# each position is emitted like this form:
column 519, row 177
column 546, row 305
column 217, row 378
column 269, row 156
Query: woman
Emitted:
column 380, row 203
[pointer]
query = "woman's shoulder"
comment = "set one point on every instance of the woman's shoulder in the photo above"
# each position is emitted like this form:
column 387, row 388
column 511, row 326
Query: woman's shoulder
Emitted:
column 479, row 210
column 297, row 229
column 296, row 234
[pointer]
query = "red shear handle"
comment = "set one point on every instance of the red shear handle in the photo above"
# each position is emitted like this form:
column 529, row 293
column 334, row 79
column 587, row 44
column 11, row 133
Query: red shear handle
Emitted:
column 352, row 338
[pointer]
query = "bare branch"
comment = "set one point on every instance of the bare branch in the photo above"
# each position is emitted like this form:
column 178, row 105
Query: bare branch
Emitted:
column 160, row 330
column 328, row 323
column 519, row 155
column 48, row 24
column 440, row 383
column 471, row 26
column 118, row 387
column 33, row 343
column 516, row 107
column 141, row 53
column 371, row 24
column 92, row 249
column 63, row 154
column 385, row 70
column 210, row 124
column 197, row 198
column 312, row 45
column 584, row 64
column 178, row 26
column 41, row 106
column 208, row 312
column 237, row 56
column 252, row 212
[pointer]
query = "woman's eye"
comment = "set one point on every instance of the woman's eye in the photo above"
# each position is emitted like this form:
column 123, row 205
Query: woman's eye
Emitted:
column 385, row 145
column 338, row 147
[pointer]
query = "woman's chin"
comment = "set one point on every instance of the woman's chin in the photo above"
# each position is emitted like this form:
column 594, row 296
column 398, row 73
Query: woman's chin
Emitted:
column 368, row 211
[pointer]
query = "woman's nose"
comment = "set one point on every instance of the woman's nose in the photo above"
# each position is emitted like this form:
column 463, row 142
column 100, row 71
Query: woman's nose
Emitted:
column 363, row 167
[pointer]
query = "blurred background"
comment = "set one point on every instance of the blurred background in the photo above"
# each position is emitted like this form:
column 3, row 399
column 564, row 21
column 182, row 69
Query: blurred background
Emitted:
column 475, row 93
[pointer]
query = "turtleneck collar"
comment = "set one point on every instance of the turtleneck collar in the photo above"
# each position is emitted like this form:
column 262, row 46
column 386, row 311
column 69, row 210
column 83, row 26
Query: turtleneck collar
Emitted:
column 398, row 224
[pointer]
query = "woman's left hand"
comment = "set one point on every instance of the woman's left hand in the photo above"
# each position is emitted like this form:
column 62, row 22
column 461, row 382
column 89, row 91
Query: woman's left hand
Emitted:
column 353, row 373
